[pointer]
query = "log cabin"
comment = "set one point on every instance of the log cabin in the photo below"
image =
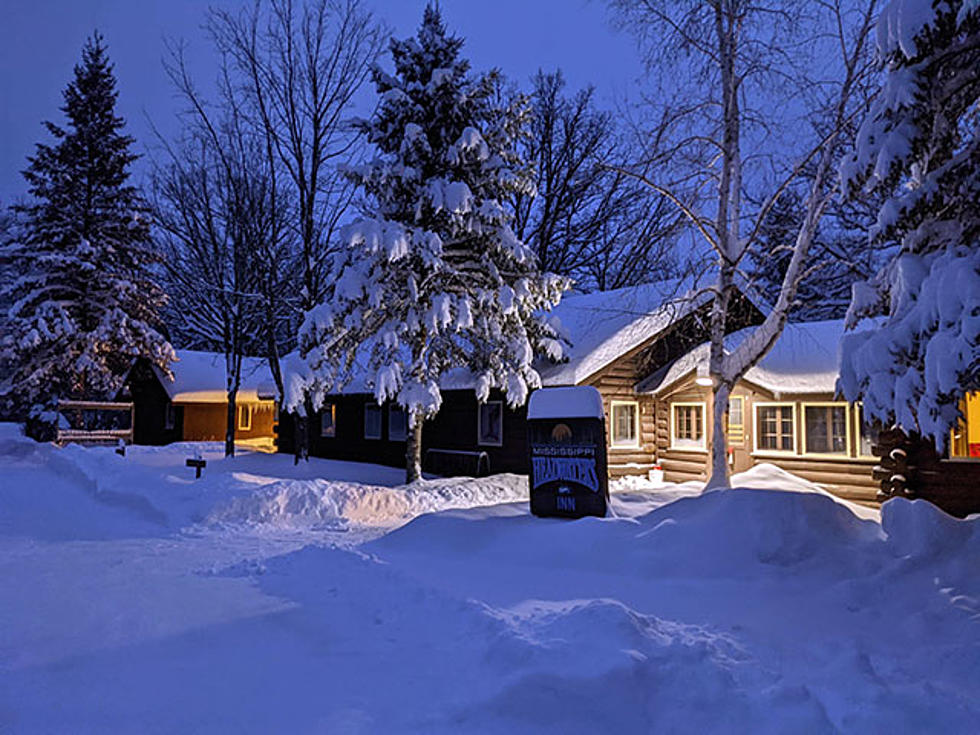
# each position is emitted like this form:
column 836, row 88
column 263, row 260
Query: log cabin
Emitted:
column 615, row 339
column 784, row 411
column 193, row 405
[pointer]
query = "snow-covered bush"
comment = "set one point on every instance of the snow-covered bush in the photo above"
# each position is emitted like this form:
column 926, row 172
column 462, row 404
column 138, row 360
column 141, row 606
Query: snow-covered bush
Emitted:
column 434, row 279
column 919, row 143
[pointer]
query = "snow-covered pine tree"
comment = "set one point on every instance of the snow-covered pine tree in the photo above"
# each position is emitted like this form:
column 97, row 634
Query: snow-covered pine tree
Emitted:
column 919, row 143
column 84, row 305
column 434, row 278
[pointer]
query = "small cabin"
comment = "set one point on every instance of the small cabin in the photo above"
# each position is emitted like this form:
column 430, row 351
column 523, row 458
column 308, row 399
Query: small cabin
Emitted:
column 785, row 411
column 193, row 405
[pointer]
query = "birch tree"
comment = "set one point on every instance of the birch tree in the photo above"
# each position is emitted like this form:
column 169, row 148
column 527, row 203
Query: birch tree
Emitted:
column 739, row 82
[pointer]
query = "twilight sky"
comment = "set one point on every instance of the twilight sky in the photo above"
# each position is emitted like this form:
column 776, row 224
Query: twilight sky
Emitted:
column 40, row 40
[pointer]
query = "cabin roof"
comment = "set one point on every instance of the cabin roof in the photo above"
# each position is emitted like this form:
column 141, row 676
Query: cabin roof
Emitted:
column 805, row 360
column 199, row 377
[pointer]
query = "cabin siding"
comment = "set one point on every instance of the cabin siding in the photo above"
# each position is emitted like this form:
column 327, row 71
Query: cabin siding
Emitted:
column 454, row 428
column 208, row 421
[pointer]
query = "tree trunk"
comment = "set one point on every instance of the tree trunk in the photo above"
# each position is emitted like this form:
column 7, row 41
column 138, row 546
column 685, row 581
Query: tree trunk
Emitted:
column 413, row 450
column 301, row 434
column 230, row 423
column 719, row 477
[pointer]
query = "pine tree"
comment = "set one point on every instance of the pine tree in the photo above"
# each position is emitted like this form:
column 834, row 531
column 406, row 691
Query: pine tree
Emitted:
column 919, row 146
column 84, row 304
column 434, row 279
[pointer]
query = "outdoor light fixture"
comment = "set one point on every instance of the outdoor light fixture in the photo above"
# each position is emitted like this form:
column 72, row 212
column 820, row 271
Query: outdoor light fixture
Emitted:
column 702, row 377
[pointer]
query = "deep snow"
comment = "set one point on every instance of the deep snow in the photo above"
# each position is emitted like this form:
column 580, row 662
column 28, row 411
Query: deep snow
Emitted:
column 328, row 598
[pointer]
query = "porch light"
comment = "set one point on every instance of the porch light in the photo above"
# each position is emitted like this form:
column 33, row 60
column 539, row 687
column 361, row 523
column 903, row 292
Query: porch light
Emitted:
column 702, row 377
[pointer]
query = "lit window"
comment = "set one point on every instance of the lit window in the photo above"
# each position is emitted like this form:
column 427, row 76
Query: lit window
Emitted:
column 244, row 417
column 490, row 424
column 775, row 431
column 736, row 420
column 372, row 421
column 397, row 424
column 624, row 419
column 328, row 420
column 965, row 437
column 825, row 429
column 687, row 426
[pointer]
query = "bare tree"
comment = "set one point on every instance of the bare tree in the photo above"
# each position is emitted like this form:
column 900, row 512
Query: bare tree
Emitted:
column 297, row 67
column 584, row 220
column 222, row 224
column 748, row 80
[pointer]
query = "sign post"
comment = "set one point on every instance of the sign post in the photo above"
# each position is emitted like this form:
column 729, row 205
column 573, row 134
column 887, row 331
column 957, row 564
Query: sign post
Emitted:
column 567, row 450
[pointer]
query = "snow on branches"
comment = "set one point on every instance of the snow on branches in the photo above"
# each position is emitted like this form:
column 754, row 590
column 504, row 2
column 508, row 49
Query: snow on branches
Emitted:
column 434, row 280
column 919, row 144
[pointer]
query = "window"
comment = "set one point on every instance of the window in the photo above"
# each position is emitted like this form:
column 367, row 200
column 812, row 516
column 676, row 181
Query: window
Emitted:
column 328, row 420
column 170, row 416
column 825, row 428
column 775, row 427
column 736, row 420
column 964, row 440
column 397, row 424
column 372, row 421
column 245, row 417
column 867, row 432
column 490, row 424
column 687, row 426
column 625, row 424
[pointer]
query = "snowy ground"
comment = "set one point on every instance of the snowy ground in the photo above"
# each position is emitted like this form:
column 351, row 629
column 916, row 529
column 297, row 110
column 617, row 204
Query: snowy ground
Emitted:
column 326, row 598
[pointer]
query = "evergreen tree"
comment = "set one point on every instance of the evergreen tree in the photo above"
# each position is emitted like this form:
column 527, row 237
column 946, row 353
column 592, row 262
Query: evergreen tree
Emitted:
column 919, row 146
column 83, row 305
column 434, row 279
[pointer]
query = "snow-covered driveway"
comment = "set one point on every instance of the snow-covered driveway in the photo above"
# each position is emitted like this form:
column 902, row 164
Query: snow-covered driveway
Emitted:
column 325, row 598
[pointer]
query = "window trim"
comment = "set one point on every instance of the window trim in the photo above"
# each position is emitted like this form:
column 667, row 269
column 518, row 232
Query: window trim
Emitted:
column 479, row 424
column 333, row 420
column 368, row 406
column 703, row 449
column 391, row 436
column 846, row 454
column 759, row 451
column 728, row 421
column 247, row 409
column 635, row 442
column 857, row 416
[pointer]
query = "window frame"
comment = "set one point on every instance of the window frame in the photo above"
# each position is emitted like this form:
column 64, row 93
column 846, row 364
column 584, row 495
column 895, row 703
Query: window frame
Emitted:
column 479, row 424
column 368, row 406
column 846, row 454
column 857, row 416
column 333, row 420
column 635, row 441
column 674, row 447
column 246, row 410
column 759, row 451
column 741, row 425
column 391, row 437
column 169, row 416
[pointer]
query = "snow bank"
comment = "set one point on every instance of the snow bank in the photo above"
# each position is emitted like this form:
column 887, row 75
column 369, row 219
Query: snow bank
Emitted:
column 337, row 504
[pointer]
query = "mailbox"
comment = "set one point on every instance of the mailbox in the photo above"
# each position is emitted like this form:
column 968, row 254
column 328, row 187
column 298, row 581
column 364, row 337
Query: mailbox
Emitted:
column 567, row 450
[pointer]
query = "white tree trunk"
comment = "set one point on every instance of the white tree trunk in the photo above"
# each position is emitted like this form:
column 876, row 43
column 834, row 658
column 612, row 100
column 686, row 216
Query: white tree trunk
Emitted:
column 719, row 477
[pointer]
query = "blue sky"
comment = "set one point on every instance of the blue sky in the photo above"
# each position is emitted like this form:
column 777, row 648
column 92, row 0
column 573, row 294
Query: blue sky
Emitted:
column 40, row 40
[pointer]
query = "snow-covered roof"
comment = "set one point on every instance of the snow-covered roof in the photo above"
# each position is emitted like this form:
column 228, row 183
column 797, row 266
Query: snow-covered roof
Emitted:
column 605, row 325
column 805, row 359
column 199, row 377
